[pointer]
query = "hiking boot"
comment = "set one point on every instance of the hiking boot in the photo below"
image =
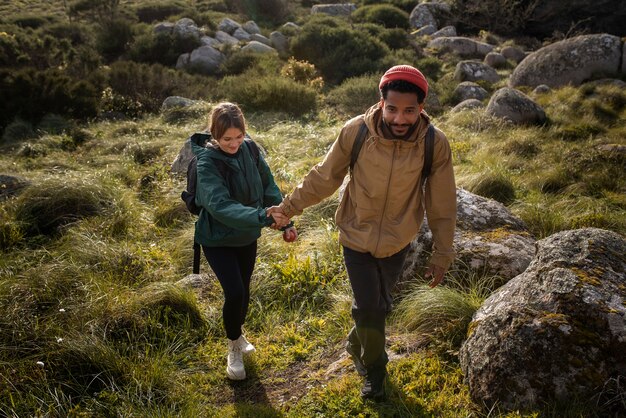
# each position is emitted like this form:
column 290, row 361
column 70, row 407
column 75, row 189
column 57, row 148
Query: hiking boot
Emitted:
column 235, row 369
column 358, row 364
column 245, row 345
column 374, row 386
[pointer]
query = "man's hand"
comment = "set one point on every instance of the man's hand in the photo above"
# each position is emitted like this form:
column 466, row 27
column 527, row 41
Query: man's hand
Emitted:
column 436, row 272
column 280, row 219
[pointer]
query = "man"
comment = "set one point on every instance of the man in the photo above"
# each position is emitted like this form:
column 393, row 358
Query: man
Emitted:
column 383, row 207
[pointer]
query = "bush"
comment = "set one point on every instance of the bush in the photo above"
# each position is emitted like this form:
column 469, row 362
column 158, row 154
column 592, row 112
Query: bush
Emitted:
column 162, row 48
column 302, row 72
column 30, row 21
column 154, row 12
column 505, row 17
column 406, row 5
column 53, row 124
column 31, row 94
column 336, row 50
column 394, row 38
column 46, row 207
column 76, row 33
column 269, row 93
column 355, row 95
column 113, row 38
column 495, row 186
column 17, row 131
column 382, row 14
column 239, row 62
column 143, row 87
column 272, row 12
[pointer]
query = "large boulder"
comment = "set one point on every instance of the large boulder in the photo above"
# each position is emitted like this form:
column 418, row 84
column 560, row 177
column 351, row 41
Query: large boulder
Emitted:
column 464, row 47
column 258, row 47
column 422, row 16
column 205, row 60
column 515, row 106
column 488, row 240
column 225, row 38
column 556, row 331
column 187, row 28
column 571, row 61
column 470, row 90
column 228, row 25
column 279, row 41
column 475, row 71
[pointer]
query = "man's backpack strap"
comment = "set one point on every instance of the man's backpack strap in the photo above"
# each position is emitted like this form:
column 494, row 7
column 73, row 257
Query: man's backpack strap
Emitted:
column 429, row 150
column 358, row 144
column 196, row 258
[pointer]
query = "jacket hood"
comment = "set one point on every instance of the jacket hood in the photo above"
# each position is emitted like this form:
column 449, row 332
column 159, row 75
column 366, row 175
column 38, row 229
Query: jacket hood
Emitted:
column 202, row 144
column 373, row 119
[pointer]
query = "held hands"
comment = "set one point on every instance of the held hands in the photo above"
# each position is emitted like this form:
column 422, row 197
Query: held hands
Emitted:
column 290, row 234
column 436, row 273
column 279, row 217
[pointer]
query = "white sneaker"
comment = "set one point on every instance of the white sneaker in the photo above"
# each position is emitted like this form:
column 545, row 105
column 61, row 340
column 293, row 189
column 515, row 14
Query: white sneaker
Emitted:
column 245, row 345
column 235, row 369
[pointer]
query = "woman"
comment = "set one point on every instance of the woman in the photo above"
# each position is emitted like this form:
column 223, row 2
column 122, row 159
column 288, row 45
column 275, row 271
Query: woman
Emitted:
column 234, row 186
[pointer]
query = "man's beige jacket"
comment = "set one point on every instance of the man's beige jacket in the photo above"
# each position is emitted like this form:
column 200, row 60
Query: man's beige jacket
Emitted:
column 383, row 205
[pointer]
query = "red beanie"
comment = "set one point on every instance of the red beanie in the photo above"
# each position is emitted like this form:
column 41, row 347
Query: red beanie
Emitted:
column 406, row 73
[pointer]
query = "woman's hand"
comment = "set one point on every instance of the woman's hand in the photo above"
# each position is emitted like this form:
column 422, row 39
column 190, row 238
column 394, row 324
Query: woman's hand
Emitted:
column 280, row 220
column 290, row 234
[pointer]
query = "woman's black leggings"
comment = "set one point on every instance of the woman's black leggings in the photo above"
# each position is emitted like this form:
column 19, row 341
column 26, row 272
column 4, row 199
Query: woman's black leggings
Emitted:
column 233, row 267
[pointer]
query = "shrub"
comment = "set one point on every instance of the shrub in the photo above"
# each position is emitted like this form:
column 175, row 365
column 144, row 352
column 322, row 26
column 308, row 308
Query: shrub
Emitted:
column 336, row 50
column 162, row 48
column 53, row 124
column 46, row 207
column 114, row 37
column 76, row 33
column 383, row 14
column 239, row 62
column 406, row 5
column 148, row 85
column 18, row 130
column 270, row 11
column 30, row 21
column 499, row 16
column 160, row 11
column 394, row 38
column 355, row 95
column 495, row 186
column 31, row 94
column 302, row 72
column 269, row 93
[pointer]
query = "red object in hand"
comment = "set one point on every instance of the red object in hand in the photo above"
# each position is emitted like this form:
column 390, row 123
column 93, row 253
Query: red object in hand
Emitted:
column 290, row 234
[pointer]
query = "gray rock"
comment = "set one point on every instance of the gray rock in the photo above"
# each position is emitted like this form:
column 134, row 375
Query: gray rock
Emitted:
column 183, row 61
column 462, row 46
column 186, row 28
column 11, row 186
column 542, row 89
column 177, row 101
column 258, row 47
column 571, row 61
column 206, row 60
column 344, row 9
column 422, row 16
column 475, row 71
column 291, row 26
column 495, row 60
column 470, row 90
column 424, row 30
column 241, row 34
column 514, row 54
column 194, row 281
column 515, row 106
column 448, row 31
column 228, row 25
column 207, row 40
column 260, row 38
column 279, row 41
column 556, row 331
column 225, row 38
column 184, row 157
column 469, row 104
column 163, row 27
column 251, row 27
column 488, row 239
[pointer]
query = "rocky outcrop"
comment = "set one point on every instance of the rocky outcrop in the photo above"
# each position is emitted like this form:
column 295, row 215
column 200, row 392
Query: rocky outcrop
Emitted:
column 555, row 332
column 422, row 16
column 488, row 240
column 515, row 106
column 571, row 61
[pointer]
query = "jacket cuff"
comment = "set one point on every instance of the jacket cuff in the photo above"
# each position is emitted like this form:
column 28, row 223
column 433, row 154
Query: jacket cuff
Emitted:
column 288, row 208
column 442, row 260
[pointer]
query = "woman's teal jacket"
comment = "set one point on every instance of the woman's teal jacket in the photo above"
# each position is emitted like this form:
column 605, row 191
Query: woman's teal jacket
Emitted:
column 233, row 193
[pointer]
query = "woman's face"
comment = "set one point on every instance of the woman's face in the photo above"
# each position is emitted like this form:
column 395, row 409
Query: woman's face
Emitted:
column 231, row 141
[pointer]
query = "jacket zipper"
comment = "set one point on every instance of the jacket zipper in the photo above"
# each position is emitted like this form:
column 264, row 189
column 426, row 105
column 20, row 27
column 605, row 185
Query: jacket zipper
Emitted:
column 382, row 216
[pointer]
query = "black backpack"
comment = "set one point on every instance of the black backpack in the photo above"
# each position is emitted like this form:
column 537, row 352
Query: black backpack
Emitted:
column 189, row 194
column 429, row 148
